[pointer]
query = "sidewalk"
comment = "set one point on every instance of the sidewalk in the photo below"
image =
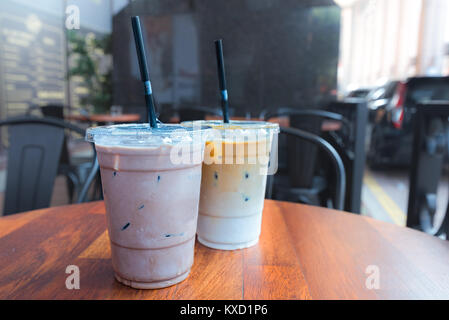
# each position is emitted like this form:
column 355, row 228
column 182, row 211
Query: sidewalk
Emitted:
column 385, row 196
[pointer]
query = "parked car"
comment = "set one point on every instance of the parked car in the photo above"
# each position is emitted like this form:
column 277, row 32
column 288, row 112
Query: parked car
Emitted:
column 392, row 132
column 359, row 93
column 379, row 98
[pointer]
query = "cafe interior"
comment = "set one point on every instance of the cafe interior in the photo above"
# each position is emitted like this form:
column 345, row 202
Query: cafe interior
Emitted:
column 356, row 207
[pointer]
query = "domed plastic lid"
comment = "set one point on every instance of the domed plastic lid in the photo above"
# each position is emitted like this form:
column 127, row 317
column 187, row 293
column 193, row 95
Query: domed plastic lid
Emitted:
column 235, row 125
column 236, row 130
column 142, row 134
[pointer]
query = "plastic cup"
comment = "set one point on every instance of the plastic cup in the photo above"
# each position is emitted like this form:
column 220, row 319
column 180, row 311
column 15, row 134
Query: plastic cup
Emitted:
column 237, row 158
column 151, row 199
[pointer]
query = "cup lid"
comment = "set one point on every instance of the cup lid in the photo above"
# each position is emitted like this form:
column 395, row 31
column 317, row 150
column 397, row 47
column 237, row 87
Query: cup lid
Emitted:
column 142, row 134
column 235, row 125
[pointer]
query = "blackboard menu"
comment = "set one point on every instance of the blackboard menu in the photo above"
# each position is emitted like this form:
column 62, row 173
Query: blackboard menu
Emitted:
column 32, row 59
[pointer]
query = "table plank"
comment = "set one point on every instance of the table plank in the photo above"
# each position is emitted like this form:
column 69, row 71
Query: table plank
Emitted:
column 337, row 248
column 33, row 255
column 131, row 117
column 216, row 274
column 100, row 248
column 105, row 117
column 304, row 253
column 420, row 253
column 272, row 268
column 13, row 222
column 325, row 260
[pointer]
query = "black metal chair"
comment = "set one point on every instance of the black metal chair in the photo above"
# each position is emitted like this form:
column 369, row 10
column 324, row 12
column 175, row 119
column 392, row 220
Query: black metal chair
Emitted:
column 429, row 155
column 340, row 181
column 267, row 114
column 65, row 167
column 288, row 112
column 304, row 194
column 53, row 110
column 35, row 146
column 74, row 170
column 197, row 113
column 350, row 144
column 300, row 181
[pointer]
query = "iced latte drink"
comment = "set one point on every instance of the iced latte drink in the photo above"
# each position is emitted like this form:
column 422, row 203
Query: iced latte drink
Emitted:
column 233, row 183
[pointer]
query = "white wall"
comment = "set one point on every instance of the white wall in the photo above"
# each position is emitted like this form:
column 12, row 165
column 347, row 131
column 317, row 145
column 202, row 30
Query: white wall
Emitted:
column 391, row 39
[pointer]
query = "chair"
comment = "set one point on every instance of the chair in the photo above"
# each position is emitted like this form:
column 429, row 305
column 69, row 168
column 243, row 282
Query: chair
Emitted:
column 429, row 155
column 73, row 171
column 288, row 112
column 64, row 168
column 52, row 110
column 197, row 113
column 301, row 181
column 280, row 111
column 35, row 146
column 350, row 144
column 340, row 185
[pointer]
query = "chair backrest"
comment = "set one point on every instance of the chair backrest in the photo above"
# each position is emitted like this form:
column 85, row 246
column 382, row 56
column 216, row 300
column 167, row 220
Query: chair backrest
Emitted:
column 302, row 155
column 51, row 110
column 350, row 144
column 429, row 154
column 197, row 113
column 35, row 146
column 340, row 174
column 57, row 111
column 267, row 113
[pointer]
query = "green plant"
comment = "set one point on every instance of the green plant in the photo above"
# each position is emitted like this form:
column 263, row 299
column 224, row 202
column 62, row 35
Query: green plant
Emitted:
column 89, row 59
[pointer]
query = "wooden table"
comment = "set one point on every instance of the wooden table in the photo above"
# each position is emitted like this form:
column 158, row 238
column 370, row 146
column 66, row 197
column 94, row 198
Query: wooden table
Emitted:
column 105, row 118
column 304, row 253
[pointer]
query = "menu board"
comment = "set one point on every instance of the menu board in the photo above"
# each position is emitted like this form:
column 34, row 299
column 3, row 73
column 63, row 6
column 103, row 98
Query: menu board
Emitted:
column 32, row 59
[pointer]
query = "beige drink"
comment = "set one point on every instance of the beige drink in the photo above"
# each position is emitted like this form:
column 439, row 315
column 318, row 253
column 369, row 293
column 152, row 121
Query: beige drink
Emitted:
column 151, row 203
column 233, row 184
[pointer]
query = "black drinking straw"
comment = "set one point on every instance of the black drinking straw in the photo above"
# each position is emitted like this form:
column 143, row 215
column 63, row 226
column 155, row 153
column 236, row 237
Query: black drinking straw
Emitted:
column 222, row 80
column 140, row 48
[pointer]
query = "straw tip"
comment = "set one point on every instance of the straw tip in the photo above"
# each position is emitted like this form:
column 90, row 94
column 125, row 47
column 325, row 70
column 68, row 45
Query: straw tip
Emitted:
column 135, row 19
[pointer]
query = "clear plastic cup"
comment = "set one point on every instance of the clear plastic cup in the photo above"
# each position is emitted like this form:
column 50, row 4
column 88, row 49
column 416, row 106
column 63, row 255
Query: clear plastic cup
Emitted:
column 151, row 185
column 237, row 160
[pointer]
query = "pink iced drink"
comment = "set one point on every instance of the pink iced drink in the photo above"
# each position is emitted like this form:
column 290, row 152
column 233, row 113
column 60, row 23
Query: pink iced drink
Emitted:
column 151, row 210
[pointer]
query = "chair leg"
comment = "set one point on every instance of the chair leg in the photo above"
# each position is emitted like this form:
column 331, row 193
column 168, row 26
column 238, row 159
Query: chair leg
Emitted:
column 93, row 174
column 269, row 188
column 99, row 187
column 72, row 185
